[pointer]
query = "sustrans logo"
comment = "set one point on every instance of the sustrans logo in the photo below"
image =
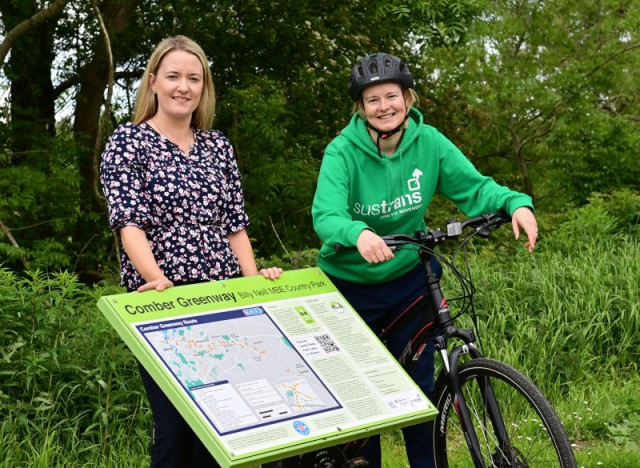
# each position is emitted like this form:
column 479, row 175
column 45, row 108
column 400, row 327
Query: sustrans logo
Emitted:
column 414, row 181
column 388, row 208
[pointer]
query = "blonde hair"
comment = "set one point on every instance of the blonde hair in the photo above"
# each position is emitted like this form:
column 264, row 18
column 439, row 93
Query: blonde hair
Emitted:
column 410, row 97
column 147, row 102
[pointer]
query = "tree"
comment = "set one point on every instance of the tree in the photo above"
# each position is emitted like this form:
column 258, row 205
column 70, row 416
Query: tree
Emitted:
column 540, row 77
column 28, row 24
column 30, row 36
column 280, row 70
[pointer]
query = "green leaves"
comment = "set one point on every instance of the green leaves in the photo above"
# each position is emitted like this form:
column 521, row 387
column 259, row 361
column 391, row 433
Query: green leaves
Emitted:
column 433, row 23
column 65, row 379
column 550, row 85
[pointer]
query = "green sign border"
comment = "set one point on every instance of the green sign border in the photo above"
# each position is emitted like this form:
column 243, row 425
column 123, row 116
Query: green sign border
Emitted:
column 124, row 311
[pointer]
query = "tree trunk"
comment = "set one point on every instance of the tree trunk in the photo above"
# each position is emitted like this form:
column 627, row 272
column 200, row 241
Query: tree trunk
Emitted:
column 29, row 70
column 522, row 164
column 117, row 16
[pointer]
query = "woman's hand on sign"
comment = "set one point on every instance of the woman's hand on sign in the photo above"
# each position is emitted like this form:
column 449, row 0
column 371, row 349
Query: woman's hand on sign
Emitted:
column 271, row 272
column 159, row 284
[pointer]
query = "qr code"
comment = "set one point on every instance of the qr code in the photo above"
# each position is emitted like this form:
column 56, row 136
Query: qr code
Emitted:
column 327, row 344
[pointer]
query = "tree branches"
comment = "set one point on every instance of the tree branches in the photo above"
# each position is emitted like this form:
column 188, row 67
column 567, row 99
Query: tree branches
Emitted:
column 7, row 232
column 40, row 17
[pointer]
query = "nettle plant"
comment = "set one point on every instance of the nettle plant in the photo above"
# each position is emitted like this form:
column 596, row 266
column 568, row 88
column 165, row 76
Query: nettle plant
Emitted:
column 69, row 385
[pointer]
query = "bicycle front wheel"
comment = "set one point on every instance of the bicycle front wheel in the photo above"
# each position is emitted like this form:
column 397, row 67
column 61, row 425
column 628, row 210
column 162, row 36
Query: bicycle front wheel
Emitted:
column 532, row 436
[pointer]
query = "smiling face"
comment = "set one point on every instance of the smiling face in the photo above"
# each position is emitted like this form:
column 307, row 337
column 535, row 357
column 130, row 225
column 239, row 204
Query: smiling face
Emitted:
column 178, row 84
column 384, row 105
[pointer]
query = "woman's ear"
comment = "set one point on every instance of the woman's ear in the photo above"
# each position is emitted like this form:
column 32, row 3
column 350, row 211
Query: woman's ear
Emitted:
column 408, row 97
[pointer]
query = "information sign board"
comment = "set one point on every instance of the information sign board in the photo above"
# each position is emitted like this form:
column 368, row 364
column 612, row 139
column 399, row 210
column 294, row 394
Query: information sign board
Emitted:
column 262, row 370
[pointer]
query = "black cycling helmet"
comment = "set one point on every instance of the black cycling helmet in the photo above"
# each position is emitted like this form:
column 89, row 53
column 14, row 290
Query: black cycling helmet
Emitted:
column 378, row 68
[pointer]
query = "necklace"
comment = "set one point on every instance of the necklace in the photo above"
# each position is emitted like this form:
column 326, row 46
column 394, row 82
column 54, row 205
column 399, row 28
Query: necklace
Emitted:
column 190, row 139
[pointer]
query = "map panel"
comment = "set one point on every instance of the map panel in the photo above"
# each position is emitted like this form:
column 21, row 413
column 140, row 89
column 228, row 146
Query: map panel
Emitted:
column 239, row 368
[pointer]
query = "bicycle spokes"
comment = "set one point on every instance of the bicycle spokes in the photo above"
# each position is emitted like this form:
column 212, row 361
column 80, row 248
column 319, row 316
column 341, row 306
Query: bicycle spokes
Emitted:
column 511, row 422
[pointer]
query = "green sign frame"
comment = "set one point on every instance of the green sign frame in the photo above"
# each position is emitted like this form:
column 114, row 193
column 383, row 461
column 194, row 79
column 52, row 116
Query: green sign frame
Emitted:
column 263, row 370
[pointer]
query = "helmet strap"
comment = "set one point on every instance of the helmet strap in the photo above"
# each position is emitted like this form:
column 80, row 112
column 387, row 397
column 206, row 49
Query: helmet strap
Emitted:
column 384, row 135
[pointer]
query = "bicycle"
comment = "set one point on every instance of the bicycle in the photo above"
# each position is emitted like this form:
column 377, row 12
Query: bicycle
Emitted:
column 489, row 413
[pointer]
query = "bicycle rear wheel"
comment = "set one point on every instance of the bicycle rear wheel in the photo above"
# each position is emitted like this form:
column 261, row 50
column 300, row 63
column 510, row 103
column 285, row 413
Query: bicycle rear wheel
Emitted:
column 535, row 434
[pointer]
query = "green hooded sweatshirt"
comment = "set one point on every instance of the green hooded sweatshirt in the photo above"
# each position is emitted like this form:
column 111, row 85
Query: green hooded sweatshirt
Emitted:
column 358, row 190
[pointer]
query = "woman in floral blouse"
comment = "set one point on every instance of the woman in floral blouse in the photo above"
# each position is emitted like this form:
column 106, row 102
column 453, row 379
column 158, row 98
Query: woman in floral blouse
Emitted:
column 174, row 193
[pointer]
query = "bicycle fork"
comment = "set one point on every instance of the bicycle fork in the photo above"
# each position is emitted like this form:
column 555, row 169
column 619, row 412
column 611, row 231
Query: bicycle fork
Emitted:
column 490, row 405
column 450, row 363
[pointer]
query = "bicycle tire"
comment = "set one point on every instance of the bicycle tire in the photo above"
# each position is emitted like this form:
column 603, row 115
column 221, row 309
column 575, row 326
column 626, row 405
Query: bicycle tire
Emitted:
column 536, row 435
column 329, row 457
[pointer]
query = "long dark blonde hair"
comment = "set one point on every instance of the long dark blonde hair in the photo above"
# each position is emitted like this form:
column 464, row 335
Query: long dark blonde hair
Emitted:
column 147, row 102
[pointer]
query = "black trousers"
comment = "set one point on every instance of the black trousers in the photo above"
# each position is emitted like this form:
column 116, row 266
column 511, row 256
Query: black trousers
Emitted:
column 174, row 444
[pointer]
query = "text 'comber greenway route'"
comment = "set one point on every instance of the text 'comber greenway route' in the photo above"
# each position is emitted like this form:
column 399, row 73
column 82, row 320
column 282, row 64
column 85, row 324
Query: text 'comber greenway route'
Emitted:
column 239, row 379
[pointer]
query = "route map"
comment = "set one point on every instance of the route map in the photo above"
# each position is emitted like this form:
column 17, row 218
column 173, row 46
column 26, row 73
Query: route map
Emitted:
column 240, row 380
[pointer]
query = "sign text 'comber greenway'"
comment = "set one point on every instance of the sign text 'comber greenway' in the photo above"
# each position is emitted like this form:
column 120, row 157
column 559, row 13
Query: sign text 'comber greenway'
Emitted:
column 185, row 302
column 262, row 370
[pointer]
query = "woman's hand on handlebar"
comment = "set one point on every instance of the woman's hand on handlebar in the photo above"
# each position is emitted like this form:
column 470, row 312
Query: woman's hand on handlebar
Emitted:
column 523, row 218
column 372, row 247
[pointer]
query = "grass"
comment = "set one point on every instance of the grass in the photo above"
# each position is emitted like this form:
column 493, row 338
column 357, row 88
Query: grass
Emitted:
column 602, row 419
column 567, row 316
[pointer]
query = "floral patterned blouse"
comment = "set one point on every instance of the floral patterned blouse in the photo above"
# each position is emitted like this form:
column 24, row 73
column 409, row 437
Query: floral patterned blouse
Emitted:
column 186, row 204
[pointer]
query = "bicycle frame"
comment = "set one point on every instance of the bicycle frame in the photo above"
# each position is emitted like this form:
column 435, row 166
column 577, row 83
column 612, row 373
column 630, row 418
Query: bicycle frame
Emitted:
column 437, row 324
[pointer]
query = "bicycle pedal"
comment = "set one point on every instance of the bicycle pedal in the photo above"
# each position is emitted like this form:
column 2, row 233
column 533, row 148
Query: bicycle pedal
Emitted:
column 356, row 463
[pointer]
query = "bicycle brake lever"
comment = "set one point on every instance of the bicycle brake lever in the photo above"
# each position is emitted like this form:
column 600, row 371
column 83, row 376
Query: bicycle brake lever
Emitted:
column 483, row 232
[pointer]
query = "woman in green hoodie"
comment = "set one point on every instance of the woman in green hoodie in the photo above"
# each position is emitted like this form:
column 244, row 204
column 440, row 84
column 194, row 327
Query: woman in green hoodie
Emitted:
column 378, row 177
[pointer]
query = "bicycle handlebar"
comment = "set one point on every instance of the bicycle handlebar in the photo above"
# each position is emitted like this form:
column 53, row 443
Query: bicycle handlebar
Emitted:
column 481, row 224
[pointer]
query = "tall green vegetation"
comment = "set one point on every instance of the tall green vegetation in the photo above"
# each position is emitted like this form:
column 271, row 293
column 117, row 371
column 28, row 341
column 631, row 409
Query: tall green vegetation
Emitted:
column 567, row 316
column 70, row 394
column 575, row 302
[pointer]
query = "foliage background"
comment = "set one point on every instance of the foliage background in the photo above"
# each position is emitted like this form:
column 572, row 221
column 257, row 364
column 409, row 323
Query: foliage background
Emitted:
column 542, row 96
